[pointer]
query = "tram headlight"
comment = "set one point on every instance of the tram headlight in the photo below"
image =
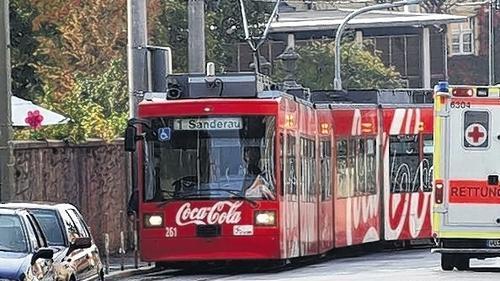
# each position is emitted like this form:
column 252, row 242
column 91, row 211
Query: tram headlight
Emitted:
column 153, row 220
column 266, row 218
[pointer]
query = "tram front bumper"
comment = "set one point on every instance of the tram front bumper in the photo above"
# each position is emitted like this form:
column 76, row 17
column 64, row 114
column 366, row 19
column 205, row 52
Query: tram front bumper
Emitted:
column 266, row 247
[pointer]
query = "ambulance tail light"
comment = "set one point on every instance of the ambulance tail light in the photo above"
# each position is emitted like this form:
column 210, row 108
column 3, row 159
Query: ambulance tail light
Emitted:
column 463, row 92
column 439, row 192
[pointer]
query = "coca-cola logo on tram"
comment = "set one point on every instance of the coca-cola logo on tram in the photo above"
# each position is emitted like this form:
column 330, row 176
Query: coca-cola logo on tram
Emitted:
column 223, row 212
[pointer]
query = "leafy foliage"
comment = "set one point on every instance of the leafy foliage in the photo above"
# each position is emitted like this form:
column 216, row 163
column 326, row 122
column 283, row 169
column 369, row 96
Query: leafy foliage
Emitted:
column 439, row 6
column 26, row 82
column 79, row 52
column 360, row 68
column 96, row 108
column 172, row 33
column 223, row 28
column 226, row 28
column 89, row 35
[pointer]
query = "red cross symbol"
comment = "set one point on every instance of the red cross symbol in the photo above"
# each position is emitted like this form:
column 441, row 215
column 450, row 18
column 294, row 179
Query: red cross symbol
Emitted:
column 476, row 134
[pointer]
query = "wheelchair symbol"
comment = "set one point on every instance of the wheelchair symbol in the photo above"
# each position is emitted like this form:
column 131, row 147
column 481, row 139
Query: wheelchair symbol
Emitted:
column 164, row 134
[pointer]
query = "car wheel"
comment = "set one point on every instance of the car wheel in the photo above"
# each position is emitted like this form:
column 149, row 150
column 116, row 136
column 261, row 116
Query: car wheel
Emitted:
column 447, row 262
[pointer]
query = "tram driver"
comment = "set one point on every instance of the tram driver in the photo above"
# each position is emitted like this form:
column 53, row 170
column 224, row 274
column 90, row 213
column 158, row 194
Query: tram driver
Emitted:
column 259, row 187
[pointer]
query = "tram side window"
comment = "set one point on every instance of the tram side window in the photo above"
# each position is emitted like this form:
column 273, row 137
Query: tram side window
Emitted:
column 360, row 187
column 342, row 189
column 312, row 171
column 291, row 166
column 404, row 160
column 426, row 168
column 371, row 166
column 302, row 169
column 351, row 166
column 325, row 178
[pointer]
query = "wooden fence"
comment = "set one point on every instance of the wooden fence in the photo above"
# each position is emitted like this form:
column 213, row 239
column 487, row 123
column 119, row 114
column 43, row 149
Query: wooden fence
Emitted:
column 92, row 176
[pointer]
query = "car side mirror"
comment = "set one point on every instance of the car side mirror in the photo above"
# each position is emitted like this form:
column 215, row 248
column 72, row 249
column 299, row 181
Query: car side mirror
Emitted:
column 42, row 253
column 130, row 138
column 79, row 243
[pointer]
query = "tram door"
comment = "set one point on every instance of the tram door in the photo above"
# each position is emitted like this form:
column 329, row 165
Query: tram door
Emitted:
column 325, row 173
column 308, row 182
column 290, row 203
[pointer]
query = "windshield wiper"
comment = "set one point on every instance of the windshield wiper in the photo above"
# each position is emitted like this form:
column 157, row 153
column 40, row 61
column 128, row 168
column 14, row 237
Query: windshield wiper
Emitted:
column 236, row 195
column 198, row 195
column 190, row 195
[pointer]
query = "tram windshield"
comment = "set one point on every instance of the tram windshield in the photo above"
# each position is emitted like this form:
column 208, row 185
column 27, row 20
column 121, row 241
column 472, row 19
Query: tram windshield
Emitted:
column 210, row 158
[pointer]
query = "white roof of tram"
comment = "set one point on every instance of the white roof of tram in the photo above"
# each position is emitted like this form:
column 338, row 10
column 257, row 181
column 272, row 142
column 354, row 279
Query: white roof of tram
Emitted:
column 314, row 20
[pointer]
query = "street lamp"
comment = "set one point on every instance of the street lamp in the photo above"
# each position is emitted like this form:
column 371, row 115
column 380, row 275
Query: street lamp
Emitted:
column 337, row 82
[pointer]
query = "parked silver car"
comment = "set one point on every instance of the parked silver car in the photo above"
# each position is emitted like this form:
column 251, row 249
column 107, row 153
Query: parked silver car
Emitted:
column 76, row 257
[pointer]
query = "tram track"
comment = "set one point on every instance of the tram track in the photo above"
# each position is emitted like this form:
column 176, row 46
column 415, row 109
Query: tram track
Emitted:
column 212, row 274
column 169, row 274
column 231, row 269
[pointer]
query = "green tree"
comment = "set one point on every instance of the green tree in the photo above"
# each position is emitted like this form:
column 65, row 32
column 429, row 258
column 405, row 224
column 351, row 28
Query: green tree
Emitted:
column 171, row 30
column 96, row 107
column 26, row 83
column 360, row 68
column 223, row 29
column 78, row 50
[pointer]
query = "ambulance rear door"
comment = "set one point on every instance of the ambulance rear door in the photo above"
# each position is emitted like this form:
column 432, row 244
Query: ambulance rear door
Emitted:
column 471, row 166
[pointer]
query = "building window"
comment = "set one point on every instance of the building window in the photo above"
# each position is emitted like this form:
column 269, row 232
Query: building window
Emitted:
column 462, row 42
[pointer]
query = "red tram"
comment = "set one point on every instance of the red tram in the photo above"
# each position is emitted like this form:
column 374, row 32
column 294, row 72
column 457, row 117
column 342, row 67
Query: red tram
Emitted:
column 230, row 168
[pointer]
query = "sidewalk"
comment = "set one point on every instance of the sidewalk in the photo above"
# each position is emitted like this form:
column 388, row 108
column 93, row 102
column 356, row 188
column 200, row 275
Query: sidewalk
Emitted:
column 116, row 263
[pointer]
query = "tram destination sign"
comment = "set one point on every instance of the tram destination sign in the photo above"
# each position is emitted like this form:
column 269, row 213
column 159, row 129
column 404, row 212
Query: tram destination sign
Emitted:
column 197, row 124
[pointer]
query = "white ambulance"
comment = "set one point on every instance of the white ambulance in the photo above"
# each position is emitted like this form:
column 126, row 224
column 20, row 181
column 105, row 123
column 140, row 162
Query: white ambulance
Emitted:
column 466, row 211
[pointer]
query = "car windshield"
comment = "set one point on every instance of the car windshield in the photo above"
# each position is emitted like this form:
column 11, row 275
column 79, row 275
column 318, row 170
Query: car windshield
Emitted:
column 51, row 226
column 216, row 157
column 12, row 238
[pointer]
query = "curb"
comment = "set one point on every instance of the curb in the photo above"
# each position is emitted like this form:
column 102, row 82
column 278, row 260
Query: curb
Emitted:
column 131, row 272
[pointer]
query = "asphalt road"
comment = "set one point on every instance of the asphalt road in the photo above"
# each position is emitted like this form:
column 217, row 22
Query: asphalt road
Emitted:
column 407, row 265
